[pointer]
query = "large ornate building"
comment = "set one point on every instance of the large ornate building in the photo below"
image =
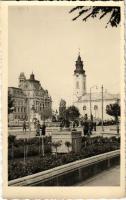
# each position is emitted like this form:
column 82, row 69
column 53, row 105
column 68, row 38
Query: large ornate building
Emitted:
column 29, row 98
column 90, row 102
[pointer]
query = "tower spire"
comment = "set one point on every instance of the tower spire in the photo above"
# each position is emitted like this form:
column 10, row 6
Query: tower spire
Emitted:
column 79, row 78
column 79, row 65
column 32, row 76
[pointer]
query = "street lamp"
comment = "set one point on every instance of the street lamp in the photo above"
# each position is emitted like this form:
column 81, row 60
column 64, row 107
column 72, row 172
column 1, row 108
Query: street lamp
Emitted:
column 94, row 86
column 42, row 137
column 56, row 114
column 28, row 113
column 84, row 108
column 102, row 109
column 44, row 111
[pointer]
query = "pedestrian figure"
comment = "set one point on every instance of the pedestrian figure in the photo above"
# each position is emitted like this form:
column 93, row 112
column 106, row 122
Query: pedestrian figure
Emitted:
column 43, row 129
column 73, row 124
column 94, row 126
column 38, row 128
column 85, row 128
column 24, row 126
column 61, row 126
column 90, row 129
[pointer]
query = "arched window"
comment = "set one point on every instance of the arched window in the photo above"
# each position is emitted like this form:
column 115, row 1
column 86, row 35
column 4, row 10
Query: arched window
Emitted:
column 84, row 107
column 21, row 109
column 77, row 84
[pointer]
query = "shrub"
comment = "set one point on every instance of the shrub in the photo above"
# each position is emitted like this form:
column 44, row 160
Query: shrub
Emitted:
column 94, row 146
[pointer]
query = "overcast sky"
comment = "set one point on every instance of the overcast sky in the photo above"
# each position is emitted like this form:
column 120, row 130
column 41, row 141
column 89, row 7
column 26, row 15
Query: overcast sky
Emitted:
column 45, row 40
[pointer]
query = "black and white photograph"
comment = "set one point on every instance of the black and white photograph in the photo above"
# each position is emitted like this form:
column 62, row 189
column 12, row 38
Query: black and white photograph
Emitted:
column 64, row 96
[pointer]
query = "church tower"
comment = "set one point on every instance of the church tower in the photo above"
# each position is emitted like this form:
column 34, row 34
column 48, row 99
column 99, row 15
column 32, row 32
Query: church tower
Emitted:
column 79, row 79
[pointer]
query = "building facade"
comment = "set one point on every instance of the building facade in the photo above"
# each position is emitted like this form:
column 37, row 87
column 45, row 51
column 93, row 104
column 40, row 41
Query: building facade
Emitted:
column 29, row 97
column 90, row 102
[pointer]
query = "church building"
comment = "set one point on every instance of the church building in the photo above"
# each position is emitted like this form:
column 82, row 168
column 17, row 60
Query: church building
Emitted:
column 29, row 97
column 90, row 103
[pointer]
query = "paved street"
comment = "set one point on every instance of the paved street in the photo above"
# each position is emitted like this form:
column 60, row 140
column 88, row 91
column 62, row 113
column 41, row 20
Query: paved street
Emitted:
column 19, row 133
column 110, row 177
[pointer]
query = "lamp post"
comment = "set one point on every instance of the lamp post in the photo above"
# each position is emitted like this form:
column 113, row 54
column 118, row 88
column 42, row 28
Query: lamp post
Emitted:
column 25, row 138
column 56, row 114
column 84, row 108
column 102, row 107
column 117, row 115
column 42, row 137
column 44, row 111
column 95, row 86
column 95, row 108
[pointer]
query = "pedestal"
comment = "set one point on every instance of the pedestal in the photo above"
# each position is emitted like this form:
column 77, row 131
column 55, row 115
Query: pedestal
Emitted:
column 74, row 137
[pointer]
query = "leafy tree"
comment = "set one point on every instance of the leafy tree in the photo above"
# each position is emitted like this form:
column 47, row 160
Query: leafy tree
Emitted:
column 114, row 110
column 62, row 109
column 47, row 113
column 98, row 11
column 72, row 113
column 68, row 145
column 10, row 104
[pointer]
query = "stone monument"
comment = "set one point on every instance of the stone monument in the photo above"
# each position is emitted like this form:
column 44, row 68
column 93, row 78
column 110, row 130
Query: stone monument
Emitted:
column 33, row 116
column 67, row 135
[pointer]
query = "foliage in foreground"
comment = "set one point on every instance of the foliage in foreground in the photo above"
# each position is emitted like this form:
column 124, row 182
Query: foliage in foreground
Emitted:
column 90, row 147
column 98, row 11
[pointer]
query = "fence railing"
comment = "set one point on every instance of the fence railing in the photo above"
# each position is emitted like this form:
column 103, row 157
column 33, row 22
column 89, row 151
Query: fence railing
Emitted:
column 64, row 169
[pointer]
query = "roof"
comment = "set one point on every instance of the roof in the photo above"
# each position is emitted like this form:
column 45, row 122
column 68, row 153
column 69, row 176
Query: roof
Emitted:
column 17, row 92
column 14, row 88
column 98, row 96
column 32, row 85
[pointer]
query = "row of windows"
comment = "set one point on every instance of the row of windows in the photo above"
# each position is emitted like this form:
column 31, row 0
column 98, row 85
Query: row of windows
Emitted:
column 17, row 92
column 22, row 102
column 38, row 103
column 43, row 105
column 40, row 94
column 38, row 108
column 22, row 117
column 95, row 107
column 20, row 109
column 41, row 108
column 18, row 103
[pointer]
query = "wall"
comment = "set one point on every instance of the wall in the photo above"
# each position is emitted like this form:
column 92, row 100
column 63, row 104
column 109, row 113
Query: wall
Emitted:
column 98, row 112
column 71, row 173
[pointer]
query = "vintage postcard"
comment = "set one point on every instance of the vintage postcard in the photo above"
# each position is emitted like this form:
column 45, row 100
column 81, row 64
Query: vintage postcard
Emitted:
column 63, row 99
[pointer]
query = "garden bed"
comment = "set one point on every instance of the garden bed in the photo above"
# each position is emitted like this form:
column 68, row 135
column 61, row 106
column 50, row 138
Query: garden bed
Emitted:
column 18, row 167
